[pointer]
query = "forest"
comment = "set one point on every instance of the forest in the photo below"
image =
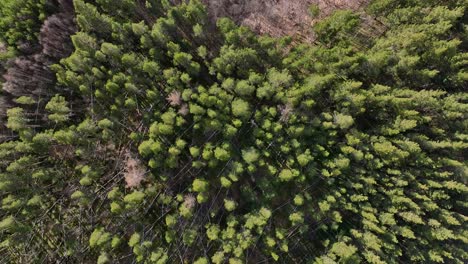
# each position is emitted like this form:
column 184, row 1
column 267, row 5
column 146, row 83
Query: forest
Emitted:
column 142, row 131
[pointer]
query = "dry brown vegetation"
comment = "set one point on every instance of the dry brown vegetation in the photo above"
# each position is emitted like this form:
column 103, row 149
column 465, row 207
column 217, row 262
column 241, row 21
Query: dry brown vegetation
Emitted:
column 278, row 17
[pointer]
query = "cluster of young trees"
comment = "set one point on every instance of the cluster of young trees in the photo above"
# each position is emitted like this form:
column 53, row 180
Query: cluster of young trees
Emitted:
column 162, row 138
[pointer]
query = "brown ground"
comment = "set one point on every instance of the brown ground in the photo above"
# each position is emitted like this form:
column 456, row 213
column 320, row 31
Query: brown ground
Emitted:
column 278, row 17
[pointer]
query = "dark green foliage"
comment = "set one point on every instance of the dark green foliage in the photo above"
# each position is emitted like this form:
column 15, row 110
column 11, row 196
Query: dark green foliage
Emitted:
column 190, row 150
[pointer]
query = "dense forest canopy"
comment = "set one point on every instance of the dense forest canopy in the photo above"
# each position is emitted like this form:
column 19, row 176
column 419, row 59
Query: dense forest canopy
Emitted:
column 143, row 132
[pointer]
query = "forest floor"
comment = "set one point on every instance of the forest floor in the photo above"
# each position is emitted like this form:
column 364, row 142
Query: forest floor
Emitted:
column 278, row 17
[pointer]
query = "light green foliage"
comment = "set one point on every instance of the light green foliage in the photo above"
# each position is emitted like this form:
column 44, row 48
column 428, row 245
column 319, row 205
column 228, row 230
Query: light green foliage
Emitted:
column 17, row 120
column 7, row 223
column 342, row 250
column 134, row 239
column 170, row 220
column 241, row 108
column 221, row 154
column 199, row 185
column 25, row 100
column 99, row 238
column 286, row 175
column 298, row 200
column 20, row 20
column 244, row 88
column 178, row 141
column 58, row 108
column 250, row 155
column 103, row 258
column 213, row 232
column 135, row 197
column 230, row 205
column 343, row 121
column 296, row 218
